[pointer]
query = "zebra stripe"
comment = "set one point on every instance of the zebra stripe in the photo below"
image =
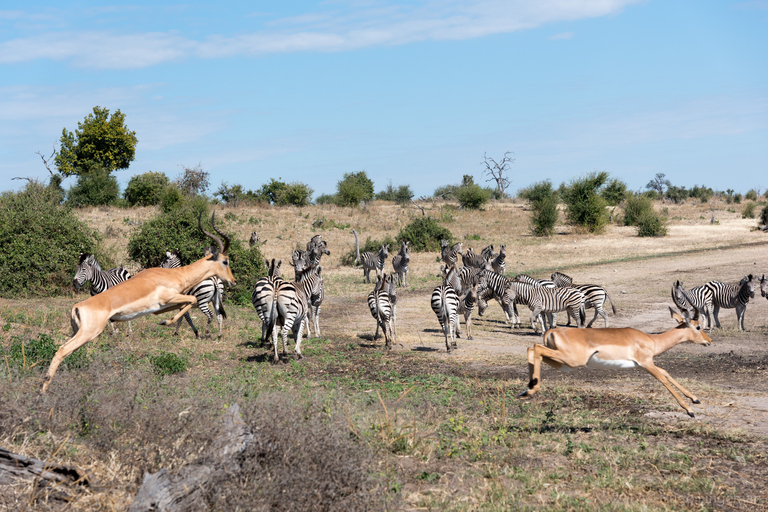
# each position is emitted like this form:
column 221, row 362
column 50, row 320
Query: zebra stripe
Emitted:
column 400, row 262
column 208, row 292
column 554, row 300
column 370, row 260
column 595, row 295
column 89, row 270
column 764, row 286
column 472, row 259
column 445, row 304
column 729, row 296
column 450, row 254
column 382, row 309
column 499, row 263
column 263, row 295
column 699, row 296
column 311, row 283
column 466, row 306
column 289, row 311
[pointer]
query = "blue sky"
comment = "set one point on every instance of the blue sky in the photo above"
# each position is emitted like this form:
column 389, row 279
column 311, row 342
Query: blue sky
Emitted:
column 412, row 92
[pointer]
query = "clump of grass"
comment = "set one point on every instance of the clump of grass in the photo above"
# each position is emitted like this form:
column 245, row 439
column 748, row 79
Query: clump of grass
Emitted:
column 168, row 363
column 37, row 353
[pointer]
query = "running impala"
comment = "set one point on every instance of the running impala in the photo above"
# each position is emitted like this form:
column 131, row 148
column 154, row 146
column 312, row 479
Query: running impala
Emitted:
column 566, row 349
column 151, row 291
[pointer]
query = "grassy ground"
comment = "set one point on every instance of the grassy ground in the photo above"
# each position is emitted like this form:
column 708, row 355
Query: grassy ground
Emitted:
column 352, row 426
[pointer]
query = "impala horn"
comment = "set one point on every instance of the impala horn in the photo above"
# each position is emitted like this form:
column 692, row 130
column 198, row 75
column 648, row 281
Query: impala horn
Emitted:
column 223, row 247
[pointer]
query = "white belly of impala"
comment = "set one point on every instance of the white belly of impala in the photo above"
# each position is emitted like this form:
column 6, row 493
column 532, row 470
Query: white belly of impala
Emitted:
column 610, row 364
column 131, row 316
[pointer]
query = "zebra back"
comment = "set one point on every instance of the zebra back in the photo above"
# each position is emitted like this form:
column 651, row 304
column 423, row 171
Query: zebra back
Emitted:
column 561, row 280
column 499, row 263
column 730, row 295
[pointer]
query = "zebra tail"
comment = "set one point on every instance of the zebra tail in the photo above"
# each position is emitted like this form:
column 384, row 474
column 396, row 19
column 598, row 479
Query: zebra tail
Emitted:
column 218, row 304
column 611, row 301
column 75, row 320
column 271, row 320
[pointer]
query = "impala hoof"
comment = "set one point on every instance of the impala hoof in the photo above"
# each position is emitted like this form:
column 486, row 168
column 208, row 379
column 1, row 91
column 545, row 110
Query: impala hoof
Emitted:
column 523, row 394
column 696, row 401
column 691, row 415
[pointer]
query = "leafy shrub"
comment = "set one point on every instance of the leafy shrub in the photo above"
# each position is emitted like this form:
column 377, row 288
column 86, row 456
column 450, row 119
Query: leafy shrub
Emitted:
column 326, row 199
column 41, row 242
column 614, row 192
column 171, row 198
column 676, row 194
column 348, row 259
column 751, row 195
column 764, row 215
column 248, row 267
column 703, row 194
column 193, row 181
column 749, row 211
column 146, row 189
column 635, row 207
column 95, row 188
column 584, row 206
column 400, row 195
column 472, row 196
column 424, row 234
column 37, row 353
column 354, row 188
column 651, row 223
column 282, row 194
column 543, row 200
column 232, row 195
column 168, row 363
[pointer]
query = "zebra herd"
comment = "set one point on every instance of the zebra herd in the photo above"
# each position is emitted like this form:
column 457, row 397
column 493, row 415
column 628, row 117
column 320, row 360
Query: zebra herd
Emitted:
column 714, row 295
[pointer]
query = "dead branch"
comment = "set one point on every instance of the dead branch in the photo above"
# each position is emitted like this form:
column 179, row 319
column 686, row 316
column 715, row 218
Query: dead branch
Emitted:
column 496, row 171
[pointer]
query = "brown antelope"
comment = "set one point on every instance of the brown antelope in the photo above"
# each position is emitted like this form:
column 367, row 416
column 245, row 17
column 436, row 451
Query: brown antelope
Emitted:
column 154, row 290
column 566, row 349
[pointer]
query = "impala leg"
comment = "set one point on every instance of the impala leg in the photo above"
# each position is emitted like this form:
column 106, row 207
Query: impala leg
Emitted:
column 682, row 389
column 185, row 302
column 536, row 355
column 661, row 376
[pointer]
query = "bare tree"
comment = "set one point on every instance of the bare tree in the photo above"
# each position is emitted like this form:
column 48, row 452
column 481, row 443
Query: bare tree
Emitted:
column 194, row 181
column 497, row 170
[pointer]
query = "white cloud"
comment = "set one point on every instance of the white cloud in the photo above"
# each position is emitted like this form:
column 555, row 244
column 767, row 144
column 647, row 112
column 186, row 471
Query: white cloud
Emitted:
column 340, row 27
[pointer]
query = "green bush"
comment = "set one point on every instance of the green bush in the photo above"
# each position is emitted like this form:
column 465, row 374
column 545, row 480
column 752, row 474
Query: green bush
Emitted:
column 168, row 363
column 178, row 229
column 37, row 353
column 400, row 195
column 146, row 189
column 751, row 195
column 676, row 194
column 703, row 194
column 543, row 201
column 171, row 198
column 326, row 199
column 614, row 192
column 651, row 223
column 635, row 207
column 282, row 194
column 95, row 188
column 41, row 242
column 348, row 259
column 584, row 206
column 749, row 211
column 472, row 196
column 764, row 215
column 424, row 234
column 354, row 188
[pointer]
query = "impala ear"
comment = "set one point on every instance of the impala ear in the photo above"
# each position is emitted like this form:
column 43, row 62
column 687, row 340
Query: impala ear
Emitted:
column 676, row 316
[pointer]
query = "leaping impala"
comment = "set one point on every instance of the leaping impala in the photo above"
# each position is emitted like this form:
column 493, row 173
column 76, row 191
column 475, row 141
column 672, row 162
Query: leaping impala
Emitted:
column 566, row 349
column 151, row 291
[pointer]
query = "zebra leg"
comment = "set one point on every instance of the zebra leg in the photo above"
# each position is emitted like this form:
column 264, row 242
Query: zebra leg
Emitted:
column 740, row 310
column 276, row 359
column 716, row 314
column 209, row 315
column 446, row 328
column 468, row 321
column 297, row 335
column 599, row 311
column 317, row 321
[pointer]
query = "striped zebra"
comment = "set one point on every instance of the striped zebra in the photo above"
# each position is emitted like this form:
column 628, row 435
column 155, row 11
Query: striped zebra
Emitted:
column 595, row 295
column 463, row 278
column 311, row 282
column 400, row 262
column 471, row 259
column 445, row 304
column 487, row 253
column 382, row 310
column 466, row 307
column 88, row 269
column 499, row 263
column 390, row 286
column 370, row 260
column 289, row 312
column 553, row 300
column 525, row 278
column 208, row 292
column 494, row 285
column 263, row 294
column 730, row 296
column 699, row 296
column 450, row 254
column 764, row 286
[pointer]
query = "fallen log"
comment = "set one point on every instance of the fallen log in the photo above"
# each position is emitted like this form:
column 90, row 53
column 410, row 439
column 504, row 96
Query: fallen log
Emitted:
column 15, row 466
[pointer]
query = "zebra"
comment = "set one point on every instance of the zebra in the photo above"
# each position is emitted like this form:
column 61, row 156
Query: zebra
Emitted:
column 448, row 253
column 88, row 269
column 595, row 295
column 370, row 260
column 263, row 294
column 493, row 285
column 764, row 286
column 400, row 262
column 732, row 296
column 390, row 286
column 307, row 260
column 289, row 312
column 499, row 263
column 311, row 282
column 466, row 306
column 487, row 253
column 255, row 240
column 207, row 292
column 380, row 305
column 551, row 301
column 472, row 259
column 525, row 278
column 698, row 296
column 462, row 279
column 445, row 304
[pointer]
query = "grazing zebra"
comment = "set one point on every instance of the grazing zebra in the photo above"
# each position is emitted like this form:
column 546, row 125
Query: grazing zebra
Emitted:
column 595, row 295
column 400, row 262
column 764, row 286
column 450, row 254
column 311, row 282
column 89, row 269
column 370, row 260
column 732, row 296
column 380, row 305
column 699, row 296
column 472, row 259
column 499, row 263
column 289, row 312
column 466, row 306
column 207, row 292
column 445, row 304
column 263, row 294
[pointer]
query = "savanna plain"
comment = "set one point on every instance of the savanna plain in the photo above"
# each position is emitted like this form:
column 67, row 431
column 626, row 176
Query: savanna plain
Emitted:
column 352, row 426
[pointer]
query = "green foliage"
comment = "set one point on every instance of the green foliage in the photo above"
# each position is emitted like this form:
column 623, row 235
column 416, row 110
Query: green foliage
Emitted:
column 749, row 211
column 171, row 198
column 676, row 194
column 41, row 242
column 472, row 196
column 702, row 193
column 248, row 267
column 614, row 192
column 95, row 188
column 636, row 207
column 764, row 215
column 751, row 195
column 146, row 189
column 584, row 206
column 424, row 234
column 326, row 199
column 348, row 259
column 296, row 194
column 543, row 200
column 194, row 181
column 400, row 195
column 37, row 353
column 100, row 141
column 354, row 188
column 232, row 195
column 168, row 363
column 651, row 223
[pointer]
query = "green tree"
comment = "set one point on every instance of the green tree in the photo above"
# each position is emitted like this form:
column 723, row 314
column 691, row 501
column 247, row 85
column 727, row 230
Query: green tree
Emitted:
column 146, row 189
column 424, row 234
column 614, row 192
column 400, row 195
column 193, row 181
column 95, row 188
column 100, row 141
column 543, row 200
column 584, row 205
column 280, row 193
column 354, row 188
